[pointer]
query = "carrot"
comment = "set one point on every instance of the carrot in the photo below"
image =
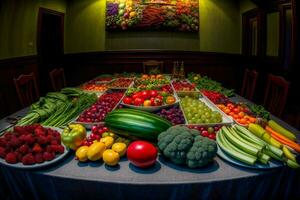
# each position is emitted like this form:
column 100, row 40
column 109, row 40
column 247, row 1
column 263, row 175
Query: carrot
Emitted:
column 271, row 131
column 283, row 139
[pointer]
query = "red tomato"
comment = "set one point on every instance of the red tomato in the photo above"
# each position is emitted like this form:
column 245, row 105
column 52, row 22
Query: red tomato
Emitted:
column 152, row 99
column 157, row 101
column 142, row 154
column 236, row 110
column 127, row 100
column 138, row 101
column 153, row 93
column 145, row 94
column 160, row 97
column 135, row 95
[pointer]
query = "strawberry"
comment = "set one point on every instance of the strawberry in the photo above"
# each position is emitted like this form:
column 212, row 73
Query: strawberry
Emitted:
column 48, row 156
column 2, row 142
column 42, row 140
column 11, row 158
column 24, row 149
column 37, row 148
column 39, row 131
column 38, row 158
column 29, row 139
column 2, row 152
column 28, row 159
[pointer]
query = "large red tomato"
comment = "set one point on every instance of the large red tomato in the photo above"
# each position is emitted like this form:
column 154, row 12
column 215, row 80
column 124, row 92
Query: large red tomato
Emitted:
column 142, row 154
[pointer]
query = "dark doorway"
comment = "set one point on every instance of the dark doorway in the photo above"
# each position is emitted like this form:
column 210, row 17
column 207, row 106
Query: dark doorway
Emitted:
column 50, row 44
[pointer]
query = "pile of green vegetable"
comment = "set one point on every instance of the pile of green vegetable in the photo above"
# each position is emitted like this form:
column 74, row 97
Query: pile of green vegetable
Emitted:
column 58, row 108
column 206, row 83
column 185, row 146
column 259, row 111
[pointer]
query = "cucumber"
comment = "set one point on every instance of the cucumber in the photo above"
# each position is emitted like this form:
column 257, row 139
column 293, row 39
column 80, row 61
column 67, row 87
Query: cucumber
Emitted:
column 237, row 142
column 276, row 127
column 248, row 159
column 136, row 123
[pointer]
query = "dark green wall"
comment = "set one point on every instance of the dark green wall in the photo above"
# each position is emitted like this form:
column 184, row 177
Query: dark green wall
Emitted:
column 219, row 30
column 18, row 25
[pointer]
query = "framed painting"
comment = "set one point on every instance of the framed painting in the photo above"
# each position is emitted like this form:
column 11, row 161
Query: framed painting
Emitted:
column 169, row 15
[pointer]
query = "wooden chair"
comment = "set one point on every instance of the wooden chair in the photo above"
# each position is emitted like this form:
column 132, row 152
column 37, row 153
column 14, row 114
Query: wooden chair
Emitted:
column 57, row 77
column 27, row 89
column 152, row 64
column 2, row 106
column 249, row 84
column 276, row 94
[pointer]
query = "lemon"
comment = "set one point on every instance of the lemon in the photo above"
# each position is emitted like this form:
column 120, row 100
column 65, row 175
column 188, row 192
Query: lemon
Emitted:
column 95, row 151
column 120, row 148
column 108, row 141
column 110, row 157
column 81, row 153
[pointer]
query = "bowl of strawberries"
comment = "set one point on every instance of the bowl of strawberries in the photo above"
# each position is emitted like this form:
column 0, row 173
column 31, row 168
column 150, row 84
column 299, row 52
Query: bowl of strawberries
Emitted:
column 31, row 146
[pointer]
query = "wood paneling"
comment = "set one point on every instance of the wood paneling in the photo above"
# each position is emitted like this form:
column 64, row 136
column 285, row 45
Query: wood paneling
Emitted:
column 12, row 68
column 219, row 66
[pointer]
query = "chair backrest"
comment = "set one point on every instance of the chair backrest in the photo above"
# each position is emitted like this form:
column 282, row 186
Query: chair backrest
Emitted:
column 2, row 106
column 57, row 77
column 249, row 84
column 276, row 94
column 27, row 89
column 151, row 64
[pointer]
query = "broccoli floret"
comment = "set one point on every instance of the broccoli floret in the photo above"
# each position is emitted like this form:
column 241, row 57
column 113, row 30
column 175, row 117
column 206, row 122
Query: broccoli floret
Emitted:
column 202, row 152
column 185, row 146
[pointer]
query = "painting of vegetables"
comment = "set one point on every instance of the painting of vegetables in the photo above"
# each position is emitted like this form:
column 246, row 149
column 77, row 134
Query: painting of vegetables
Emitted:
column 168, row 15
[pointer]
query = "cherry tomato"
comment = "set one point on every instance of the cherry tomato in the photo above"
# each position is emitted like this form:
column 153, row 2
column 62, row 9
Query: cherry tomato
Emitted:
column 153, row 93
column 152, row 99
column 205, row 133
column 157, row 102
column 135, row 95
column 138, row 101
column 212, row 136
column 127, row 100
column 145, row 94
column 170, row 100
column 241, row 114
column 236, row 110
column 160, row 97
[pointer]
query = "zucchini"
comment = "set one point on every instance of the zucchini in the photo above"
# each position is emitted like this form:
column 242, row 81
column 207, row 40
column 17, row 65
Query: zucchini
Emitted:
column 136, row 123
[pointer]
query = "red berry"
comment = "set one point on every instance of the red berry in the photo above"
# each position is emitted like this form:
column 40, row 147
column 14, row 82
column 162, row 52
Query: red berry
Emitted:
column 94, row 129
column 205, row 133
column 24, row 149
column 11, row 158
column 38, row 158
column 28, row 159
column 48, row 156
column 2, row 152
column 42, row 140
column 37, row 148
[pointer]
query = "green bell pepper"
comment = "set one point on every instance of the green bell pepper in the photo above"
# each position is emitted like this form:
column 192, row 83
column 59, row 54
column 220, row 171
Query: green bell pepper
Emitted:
column 73, row 136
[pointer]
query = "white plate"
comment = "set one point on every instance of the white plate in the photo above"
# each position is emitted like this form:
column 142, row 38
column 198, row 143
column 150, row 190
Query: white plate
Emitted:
column 272, row 164
column 58, row 157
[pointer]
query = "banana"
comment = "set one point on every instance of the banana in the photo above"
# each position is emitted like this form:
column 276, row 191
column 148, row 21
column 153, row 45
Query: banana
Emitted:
column 288, row 154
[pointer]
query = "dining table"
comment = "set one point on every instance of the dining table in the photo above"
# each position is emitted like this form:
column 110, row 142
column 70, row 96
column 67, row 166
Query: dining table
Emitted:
column 70, row 179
